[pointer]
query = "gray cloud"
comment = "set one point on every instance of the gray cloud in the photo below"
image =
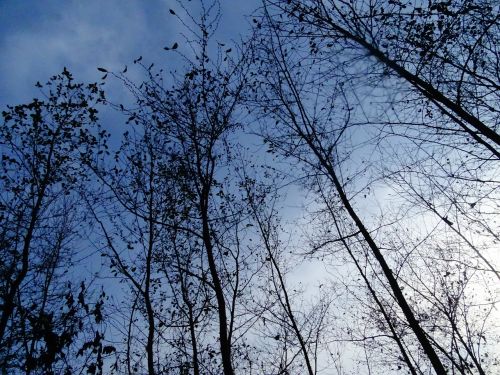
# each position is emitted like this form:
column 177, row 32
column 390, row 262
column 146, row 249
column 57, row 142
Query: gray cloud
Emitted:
column 79, row 35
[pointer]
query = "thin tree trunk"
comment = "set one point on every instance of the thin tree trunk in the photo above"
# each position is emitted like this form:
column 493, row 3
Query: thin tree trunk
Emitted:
column 387, row 319
column 287, row 304
column 147, row 297
column 310, row 137
column 393, row 283
column 9, row 304
column 225, row 345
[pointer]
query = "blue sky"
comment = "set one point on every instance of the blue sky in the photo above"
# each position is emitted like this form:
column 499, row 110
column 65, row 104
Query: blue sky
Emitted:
column 39, row 38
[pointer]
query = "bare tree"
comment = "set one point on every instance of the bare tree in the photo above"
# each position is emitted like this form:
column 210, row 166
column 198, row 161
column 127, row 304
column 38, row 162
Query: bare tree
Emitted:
column 444, row 50
column 294, row 98
column 45, row 145
column 175, row 193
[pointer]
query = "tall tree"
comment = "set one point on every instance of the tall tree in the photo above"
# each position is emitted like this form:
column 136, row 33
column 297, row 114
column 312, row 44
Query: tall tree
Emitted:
column 171, row 180
column 303, row 89
column 445, row 50
column 45, row 146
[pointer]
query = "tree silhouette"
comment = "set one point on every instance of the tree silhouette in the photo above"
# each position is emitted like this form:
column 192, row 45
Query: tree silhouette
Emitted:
column 45, row 146
column 382, row 114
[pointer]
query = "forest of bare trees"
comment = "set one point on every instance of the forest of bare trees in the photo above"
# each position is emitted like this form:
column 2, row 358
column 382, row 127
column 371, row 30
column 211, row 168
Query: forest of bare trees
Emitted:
column 319, row 197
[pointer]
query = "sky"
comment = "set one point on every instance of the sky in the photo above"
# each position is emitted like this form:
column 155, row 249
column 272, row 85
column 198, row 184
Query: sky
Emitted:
column 39, row 38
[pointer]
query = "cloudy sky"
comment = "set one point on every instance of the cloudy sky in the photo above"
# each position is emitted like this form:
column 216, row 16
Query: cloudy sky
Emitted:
column 39, row 38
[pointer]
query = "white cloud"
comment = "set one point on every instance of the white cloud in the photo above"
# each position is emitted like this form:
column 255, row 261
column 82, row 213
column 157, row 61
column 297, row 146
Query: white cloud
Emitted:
column 79, row 35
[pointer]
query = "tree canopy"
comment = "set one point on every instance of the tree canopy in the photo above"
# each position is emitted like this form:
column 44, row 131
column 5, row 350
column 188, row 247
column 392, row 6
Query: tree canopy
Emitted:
column 353, row 143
